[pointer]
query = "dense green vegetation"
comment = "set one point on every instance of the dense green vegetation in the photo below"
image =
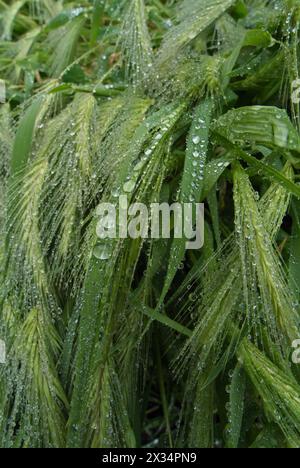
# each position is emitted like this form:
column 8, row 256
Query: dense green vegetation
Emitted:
column 139, row 343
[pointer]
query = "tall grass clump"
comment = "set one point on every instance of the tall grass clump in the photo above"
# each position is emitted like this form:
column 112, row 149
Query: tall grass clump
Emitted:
column 142, row 343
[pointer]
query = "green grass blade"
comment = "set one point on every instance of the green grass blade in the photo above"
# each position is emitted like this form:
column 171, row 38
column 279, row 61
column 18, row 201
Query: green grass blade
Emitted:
column 96, row 20
column 264, row 169
column 192, row 181
column 237, row 403
column 25, row 136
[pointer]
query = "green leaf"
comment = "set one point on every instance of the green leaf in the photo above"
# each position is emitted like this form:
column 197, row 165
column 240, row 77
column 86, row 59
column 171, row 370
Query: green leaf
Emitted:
column 25, row 136
column 214, row 170
column 214, row 212
column 259, row 125
column 258, row 38
column 98, row 11
column 192, row 181
column 166, row 321
column 239, row 10
column 236, row 407
column 294, row 261
column 264, row 169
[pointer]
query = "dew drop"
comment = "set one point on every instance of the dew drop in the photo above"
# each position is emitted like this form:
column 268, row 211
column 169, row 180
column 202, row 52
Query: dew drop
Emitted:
column 129, row 186
column 102, row 252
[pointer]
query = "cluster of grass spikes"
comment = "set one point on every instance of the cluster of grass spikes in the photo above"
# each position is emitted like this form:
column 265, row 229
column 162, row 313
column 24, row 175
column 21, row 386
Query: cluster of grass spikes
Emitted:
column 133, row 343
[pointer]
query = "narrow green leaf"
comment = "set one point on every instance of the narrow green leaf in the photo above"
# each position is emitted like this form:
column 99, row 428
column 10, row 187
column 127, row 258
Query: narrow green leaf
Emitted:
column 236, row 410
column 264, row 169
column 98, row 11
column 25, row 135
column 214, row 170
column 294, row 262
column 167, row 321
column 192, row 181
column 214, row 212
